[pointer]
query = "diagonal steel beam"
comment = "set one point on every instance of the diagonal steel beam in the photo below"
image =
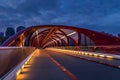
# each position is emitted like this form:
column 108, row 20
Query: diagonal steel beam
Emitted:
column 51, row 32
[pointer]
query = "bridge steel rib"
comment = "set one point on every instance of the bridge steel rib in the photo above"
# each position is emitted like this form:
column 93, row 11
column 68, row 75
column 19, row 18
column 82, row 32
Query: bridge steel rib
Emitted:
column 98, row 38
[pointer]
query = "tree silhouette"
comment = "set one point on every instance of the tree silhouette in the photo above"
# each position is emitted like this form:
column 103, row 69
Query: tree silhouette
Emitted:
column 19, row 28
column 9, row 31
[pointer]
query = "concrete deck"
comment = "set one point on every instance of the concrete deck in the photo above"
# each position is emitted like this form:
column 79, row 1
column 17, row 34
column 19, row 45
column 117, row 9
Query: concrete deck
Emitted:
column 42, row 68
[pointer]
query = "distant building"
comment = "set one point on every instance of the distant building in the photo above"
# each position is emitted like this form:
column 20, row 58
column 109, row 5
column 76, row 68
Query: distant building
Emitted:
column 2, row 39
column 20, row 28
column 119, row 35
column 9, row 32
column 1, row 34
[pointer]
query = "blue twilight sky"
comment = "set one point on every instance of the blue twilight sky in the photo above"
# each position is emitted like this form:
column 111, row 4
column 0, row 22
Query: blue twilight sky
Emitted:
column 100, row 15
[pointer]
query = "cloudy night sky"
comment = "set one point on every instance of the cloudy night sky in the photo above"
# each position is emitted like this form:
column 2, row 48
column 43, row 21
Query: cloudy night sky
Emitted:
column 100, row 15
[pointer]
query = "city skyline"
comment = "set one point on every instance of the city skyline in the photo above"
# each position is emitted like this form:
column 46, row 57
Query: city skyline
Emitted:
column 99, row 15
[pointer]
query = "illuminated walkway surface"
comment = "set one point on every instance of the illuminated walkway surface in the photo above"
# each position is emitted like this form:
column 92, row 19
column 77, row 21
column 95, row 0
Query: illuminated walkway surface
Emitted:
column 41, row 67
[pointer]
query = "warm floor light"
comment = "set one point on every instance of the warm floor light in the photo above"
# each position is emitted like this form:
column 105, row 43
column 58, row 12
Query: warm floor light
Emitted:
column 18, row 72
column 96, row 55
column 21, row 76
column 90, row 54
column 109, row 57
column 101, row 55
column 25, row 66
column 84, row 53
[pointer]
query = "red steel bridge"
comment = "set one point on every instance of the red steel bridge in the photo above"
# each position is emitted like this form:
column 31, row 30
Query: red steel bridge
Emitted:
column 57, row 52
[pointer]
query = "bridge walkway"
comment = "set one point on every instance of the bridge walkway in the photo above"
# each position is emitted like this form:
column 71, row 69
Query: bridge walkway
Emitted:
column 41, row 67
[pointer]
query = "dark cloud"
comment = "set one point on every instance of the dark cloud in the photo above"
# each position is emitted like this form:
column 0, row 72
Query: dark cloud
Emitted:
column 34, row 6
column 100, row 15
